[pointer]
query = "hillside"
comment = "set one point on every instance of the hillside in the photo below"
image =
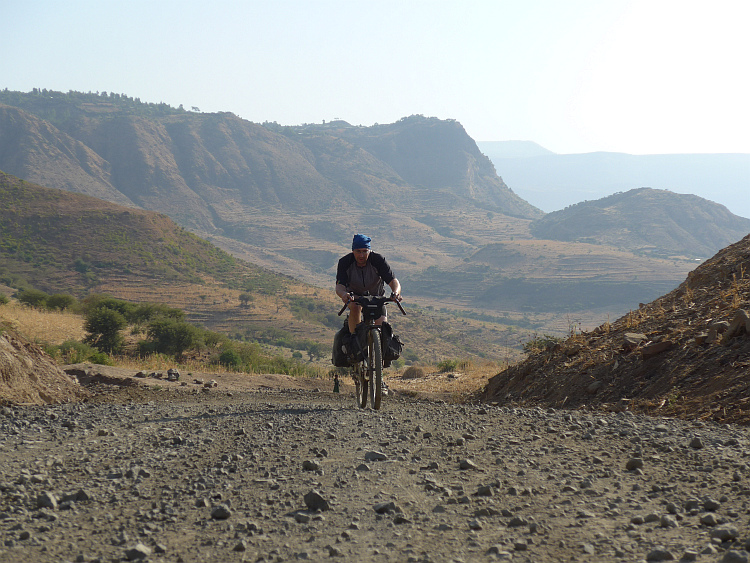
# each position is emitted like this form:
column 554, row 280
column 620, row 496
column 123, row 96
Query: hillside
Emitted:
column 646, row 220
column 61, row 242
column 683, row 354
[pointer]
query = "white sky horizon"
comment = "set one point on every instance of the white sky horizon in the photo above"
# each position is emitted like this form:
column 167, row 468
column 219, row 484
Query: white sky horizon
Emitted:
column 630, row 76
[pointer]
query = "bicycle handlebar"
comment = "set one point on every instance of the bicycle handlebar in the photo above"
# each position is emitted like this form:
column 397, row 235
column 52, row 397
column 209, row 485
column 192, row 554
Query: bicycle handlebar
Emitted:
column 363, row 299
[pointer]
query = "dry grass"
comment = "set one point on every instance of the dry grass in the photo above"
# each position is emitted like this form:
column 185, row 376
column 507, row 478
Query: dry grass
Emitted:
column 46, row 327
column 471, row 377
column 157, row 362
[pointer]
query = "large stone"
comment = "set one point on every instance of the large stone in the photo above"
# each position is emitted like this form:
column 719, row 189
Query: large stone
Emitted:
column 740, row 324
column 314, row 501
column 221, row 512
column 631, row 340
column 717, row 328
column 656, row 348
column 137, row 553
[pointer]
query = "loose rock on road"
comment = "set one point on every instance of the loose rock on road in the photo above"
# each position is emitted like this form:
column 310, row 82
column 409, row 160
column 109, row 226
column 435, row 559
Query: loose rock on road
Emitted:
column 280, row 475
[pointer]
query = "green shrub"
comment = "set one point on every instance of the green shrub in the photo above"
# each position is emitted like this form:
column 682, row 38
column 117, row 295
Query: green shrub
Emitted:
column 447, row 365
column 103, row 327
column 173, row 337
column 74, row 352
column 230, row 359
column 144, row 312
column 101, row 358
column 4, row 299
column 33, row 298
column 541, row 343
column 61, row 301
column 214, row 339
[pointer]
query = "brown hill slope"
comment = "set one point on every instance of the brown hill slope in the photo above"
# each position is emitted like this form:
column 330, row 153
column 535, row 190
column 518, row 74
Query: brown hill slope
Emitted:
column 29, row 376
column 645, row 220
column 685, row 354
column 61, row 241
column 34, row 149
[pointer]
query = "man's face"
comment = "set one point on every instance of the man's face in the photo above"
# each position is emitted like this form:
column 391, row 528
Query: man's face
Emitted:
column 361, row 255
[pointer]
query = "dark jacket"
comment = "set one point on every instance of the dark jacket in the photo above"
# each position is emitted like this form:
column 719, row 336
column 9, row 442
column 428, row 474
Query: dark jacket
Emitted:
column 369, row 279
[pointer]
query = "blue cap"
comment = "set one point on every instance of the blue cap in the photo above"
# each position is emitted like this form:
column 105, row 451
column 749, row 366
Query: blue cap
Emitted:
column 361, row 241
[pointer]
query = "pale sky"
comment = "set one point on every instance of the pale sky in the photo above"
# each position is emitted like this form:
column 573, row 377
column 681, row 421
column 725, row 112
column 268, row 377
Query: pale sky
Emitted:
column 641, row 77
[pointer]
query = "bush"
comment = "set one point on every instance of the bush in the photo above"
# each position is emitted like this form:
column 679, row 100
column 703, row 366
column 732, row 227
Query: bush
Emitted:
column 413, row 372
column 61, row 301
column 103, row 327
column 447, row 365
column 74, row 352
column 230, row 359
column 173, row 337
column 4, row 299
column 214, row 339
column 541, row 343
column 144, row 312
column 33, row 298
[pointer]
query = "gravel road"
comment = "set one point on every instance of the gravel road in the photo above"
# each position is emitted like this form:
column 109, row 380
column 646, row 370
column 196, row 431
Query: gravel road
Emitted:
column 291, row 474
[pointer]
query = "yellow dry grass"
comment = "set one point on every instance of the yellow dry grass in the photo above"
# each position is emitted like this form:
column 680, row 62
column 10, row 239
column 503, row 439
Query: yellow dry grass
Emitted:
column 470, row 377
column 157, row 362
column 45, row 327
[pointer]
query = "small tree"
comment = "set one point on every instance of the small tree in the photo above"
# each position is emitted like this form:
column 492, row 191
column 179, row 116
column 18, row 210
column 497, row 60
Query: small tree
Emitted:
column 230, row 358
column 103, row 327
column 61, row 301
column 245, row 299
column 316, row 350
column 33, row 298
column 173, row 337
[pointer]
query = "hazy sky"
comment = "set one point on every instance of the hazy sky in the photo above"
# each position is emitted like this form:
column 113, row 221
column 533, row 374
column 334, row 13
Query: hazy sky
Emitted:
column 652, row 76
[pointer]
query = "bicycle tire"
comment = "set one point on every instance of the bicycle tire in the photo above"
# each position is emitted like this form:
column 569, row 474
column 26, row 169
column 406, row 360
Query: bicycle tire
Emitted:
column 360, row 386
column 376, row 375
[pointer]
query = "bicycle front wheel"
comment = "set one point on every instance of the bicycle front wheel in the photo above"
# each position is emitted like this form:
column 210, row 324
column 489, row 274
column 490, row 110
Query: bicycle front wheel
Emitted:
column 376, row 369
column 360, row 385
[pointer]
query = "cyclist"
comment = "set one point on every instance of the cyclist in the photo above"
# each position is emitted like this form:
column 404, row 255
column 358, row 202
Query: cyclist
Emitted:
column 363, row 272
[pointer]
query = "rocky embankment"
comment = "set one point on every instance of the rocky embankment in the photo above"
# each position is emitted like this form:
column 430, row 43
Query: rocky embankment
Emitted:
column 280, row 475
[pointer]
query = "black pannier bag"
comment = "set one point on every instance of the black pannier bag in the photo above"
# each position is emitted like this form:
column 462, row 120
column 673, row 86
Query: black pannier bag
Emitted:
column 390, row 344
column 339, row 357
column 341, row 340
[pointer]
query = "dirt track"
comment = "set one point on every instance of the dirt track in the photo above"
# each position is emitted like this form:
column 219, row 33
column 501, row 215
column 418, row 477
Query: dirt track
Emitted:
column 173, row 473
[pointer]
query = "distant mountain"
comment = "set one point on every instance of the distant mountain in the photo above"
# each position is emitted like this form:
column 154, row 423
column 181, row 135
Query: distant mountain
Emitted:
column 645, row 220
column 554, row 181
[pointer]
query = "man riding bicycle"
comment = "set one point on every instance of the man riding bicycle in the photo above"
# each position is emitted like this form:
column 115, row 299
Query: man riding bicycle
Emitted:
column 363, row 272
